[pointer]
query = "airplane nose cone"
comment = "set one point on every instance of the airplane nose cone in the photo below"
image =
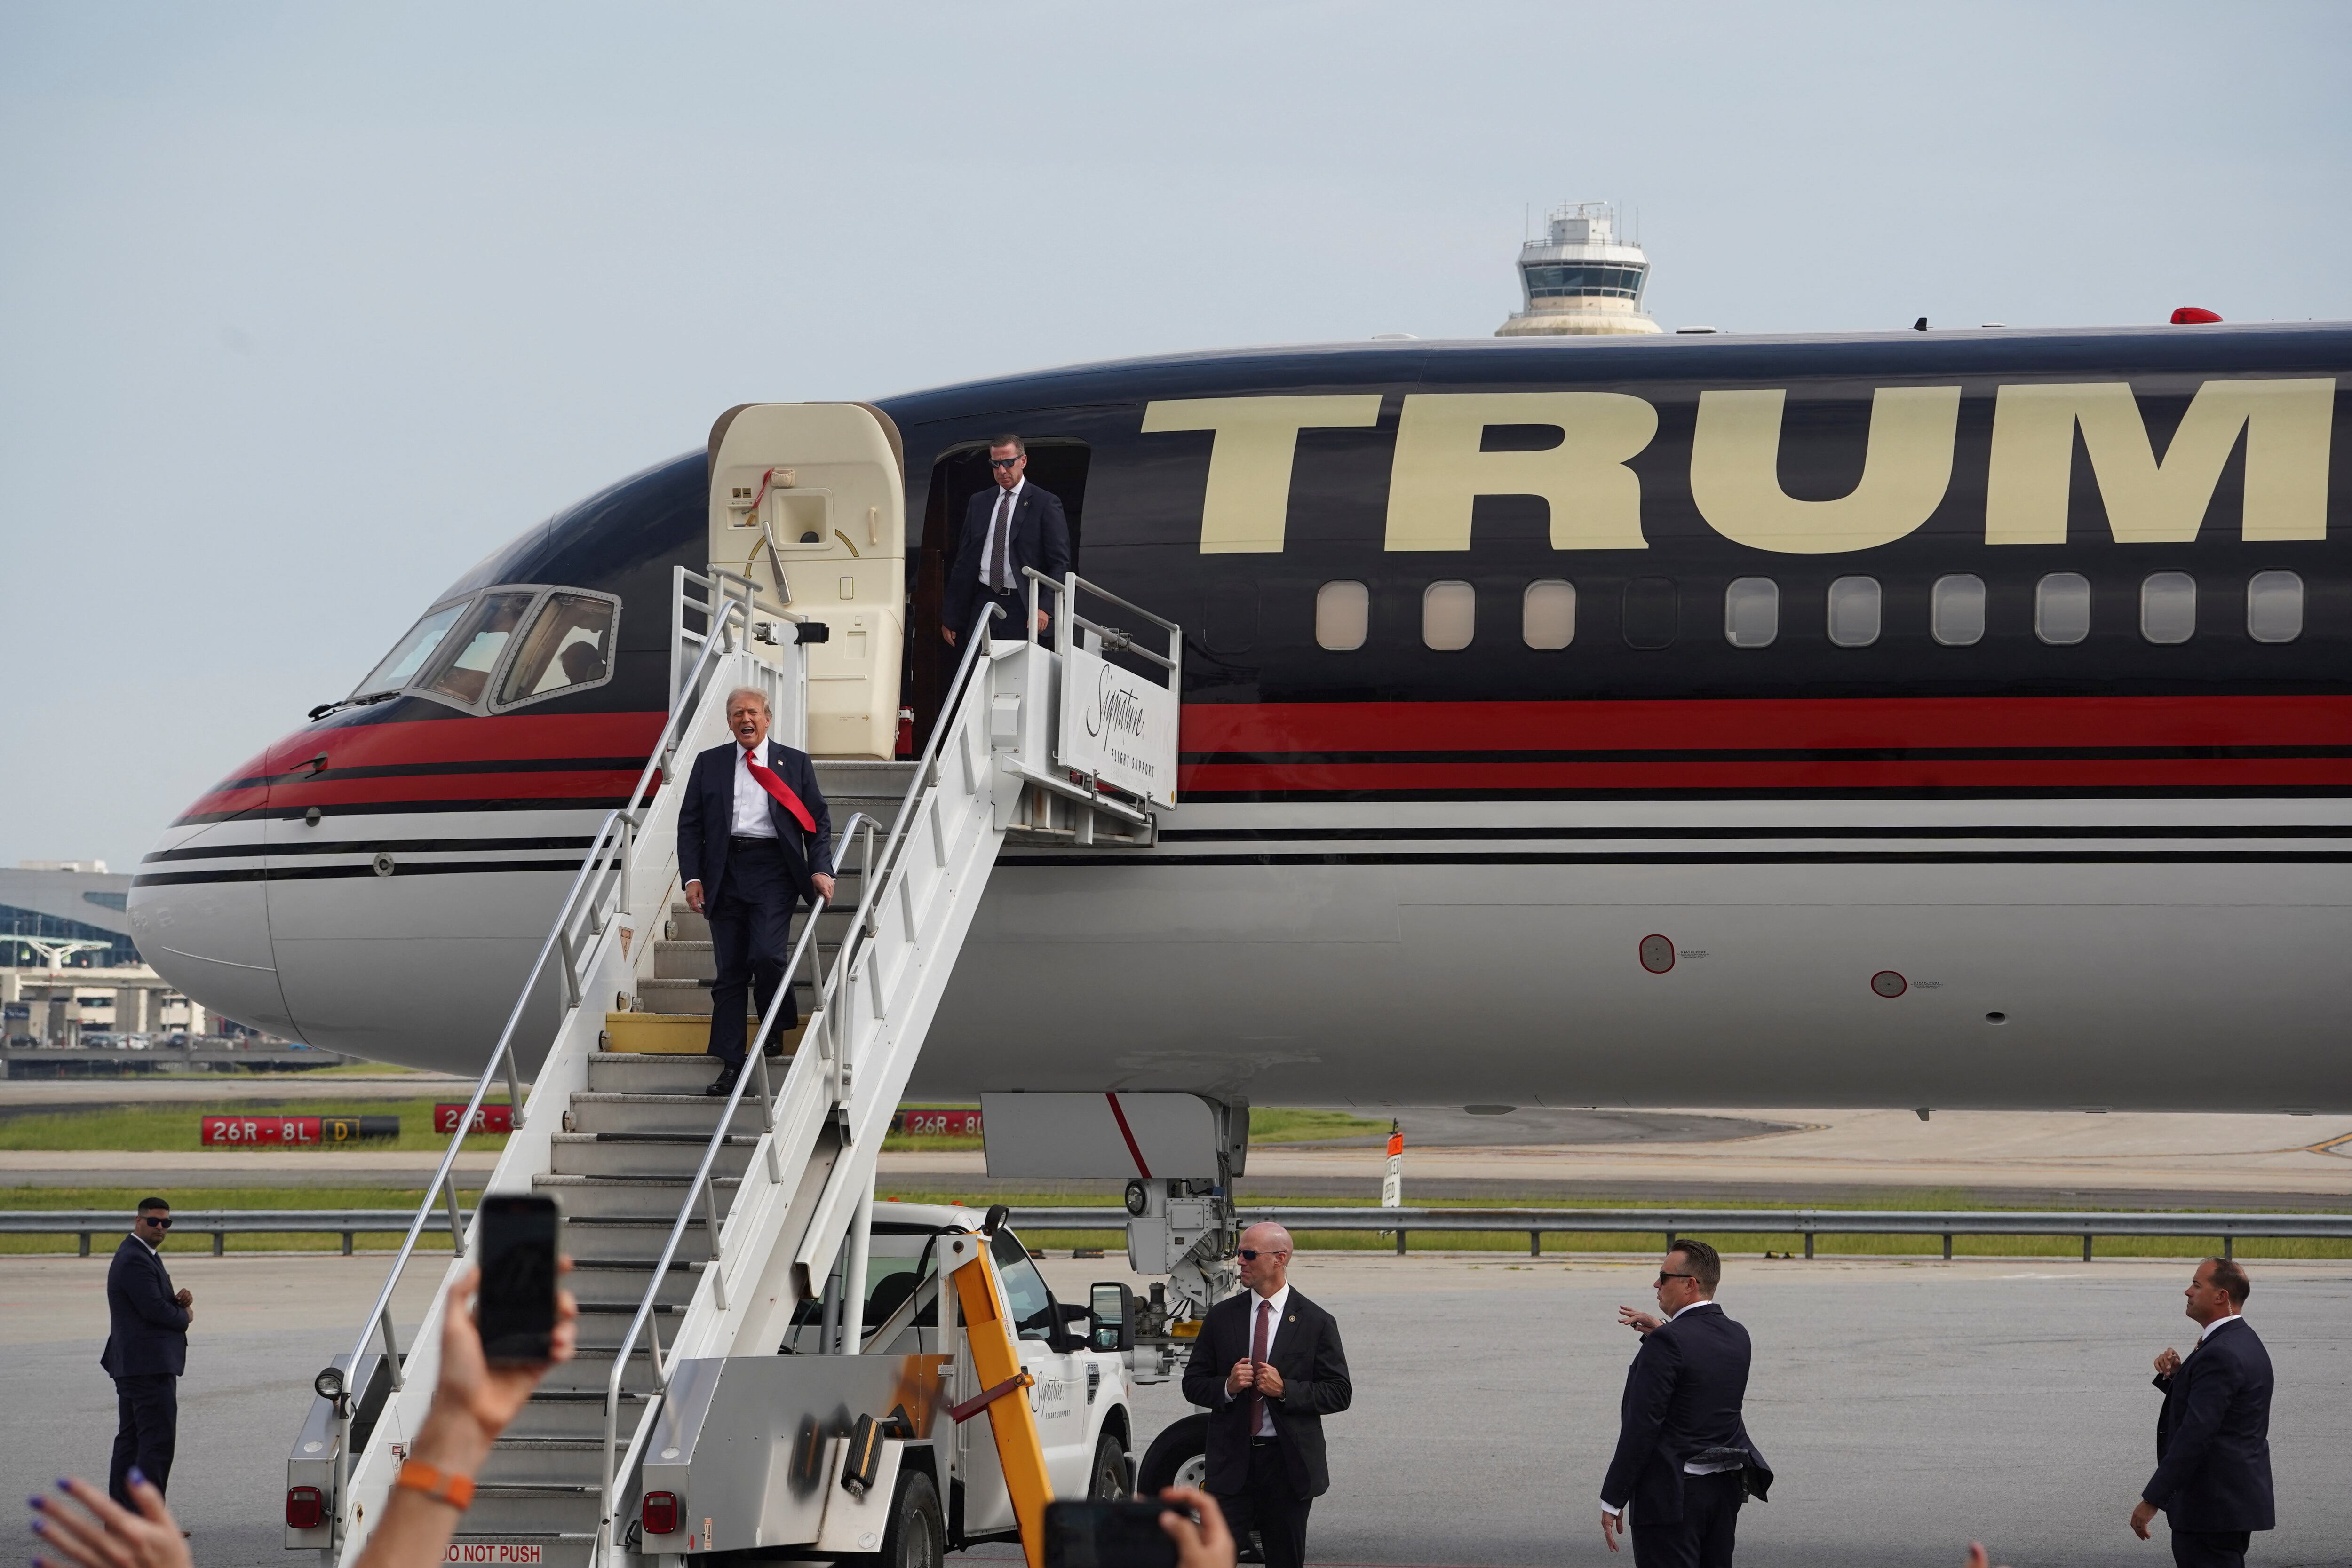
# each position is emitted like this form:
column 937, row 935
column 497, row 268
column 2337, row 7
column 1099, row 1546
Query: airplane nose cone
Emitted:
column 199, row 909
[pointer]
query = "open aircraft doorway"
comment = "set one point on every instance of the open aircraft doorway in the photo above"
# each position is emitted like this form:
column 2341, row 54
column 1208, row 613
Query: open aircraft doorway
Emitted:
column 1057, row 466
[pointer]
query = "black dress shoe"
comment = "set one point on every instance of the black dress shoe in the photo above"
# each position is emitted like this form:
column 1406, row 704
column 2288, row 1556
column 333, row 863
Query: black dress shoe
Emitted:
column 724, row 1084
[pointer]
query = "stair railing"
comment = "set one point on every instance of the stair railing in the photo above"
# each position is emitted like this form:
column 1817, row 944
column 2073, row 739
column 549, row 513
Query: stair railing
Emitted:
column 860, row 830
column 830, row 1047
column 604, row 873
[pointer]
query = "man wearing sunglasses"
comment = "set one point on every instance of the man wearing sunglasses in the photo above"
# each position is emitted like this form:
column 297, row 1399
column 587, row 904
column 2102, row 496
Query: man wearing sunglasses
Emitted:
column 1012, row 525
column 1684, row 1460
column 146, row 1352
column 1269, row 1367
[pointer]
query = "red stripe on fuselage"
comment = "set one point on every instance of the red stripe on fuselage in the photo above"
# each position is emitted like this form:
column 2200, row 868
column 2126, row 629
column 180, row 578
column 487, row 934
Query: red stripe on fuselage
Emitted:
column 1773, row 722
column 519, row 738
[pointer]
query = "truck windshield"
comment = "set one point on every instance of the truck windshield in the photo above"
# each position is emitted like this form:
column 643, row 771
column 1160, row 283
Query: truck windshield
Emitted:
column 408, row 655
column 1025, row 1296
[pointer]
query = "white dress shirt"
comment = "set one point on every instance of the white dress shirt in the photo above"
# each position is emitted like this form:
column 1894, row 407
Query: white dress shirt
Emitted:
column 1006, row 505
column 1690, row 1467
column 1278, row 1300
column 752, row 803
column 2206, row 1332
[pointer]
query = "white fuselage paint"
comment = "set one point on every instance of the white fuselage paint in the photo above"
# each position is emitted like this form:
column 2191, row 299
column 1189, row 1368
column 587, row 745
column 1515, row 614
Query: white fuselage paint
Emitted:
column 2167, row 954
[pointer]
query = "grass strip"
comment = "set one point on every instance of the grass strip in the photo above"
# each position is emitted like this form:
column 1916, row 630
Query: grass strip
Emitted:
column 124, row 1200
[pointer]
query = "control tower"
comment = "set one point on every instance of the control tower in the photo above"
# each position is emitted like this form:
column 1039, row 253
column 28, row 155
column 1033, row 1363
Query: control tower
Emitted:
column 1577, row 280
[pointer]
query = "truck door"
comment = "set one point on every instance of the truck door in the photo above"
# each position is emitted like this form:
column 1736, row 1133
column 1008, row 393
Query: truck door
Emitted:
column 1059, row 1396
column 808, row 500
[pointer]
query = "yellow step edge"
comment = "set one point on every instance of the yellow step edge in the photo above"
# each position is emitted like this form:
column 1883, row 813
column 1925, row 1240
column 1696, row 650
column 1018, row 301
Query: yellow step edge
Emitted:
column 671, row 1034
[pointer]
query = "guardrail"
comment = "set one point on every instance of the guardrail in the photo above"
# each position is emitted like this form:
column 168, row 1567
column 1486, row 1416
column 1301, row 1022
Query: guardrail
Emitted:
column 220, row 1223
column 1810, row 1223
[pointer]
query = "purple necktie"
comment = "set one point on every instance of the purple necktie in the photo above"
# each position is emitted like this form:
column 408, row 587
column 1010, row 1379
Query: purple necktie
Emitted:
column 1257, row 1360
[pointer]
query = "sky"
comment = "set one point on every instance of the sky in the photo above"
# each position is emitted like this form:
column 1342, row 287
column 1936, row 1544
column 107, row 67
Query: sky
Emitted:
column 304, row 309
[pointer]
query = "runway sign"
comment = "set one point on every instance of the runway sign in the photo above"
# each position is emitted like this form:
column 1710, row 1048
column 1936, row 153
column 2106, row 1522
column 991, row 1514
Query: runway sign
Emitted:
column 937, row 1123
column 487, row 1119
column 294, row 1131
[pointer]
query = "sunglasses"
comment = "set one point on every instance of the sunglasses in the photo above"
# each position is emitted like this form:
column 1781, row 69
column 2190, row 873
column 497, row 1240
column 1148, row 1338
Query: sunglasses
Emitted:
column 162, row 1224
column 1004, row 461
column 1251, row 1254
column 1662, row 1278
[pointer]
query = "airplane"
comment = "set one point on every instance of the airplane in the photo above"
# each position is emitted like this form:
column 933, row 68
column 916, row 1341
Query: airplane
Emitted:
column 1958, row 719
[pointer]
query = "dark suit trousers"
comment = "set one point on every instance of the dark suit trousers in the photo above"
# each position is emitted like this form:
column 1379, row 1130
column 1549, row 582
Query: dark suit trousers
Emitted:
column 1270, row 1507
column 1702, row 1537
column 2210, row 1548
column 1013, row 626
column 751, row 939
column 147, row 1421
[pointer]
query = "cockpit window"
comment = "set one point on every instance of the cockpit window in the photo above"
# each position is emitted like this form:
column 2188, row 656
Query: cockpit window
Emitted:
column 479, row 640
column 570, row 644
column 408, row 655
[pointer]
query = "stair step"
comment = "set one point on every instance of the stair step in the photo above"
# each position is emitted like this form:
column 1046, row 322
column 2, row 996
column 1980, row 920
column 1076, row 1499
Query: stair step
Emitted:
column 635, row 1240
column 603, row 1328
column 675, row 1155
column 508, row 1511
column 524, row 1459
column 681, row 998
column 651, row 1072
column 595, row 1111
column 590, row 1367
column 576, row 1414
column 628, row 1196
column 619, row 1285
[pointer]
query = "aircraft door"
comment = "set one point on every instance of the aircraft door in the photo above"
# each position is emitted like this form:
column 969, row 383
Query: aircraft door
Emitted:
column 808, row 500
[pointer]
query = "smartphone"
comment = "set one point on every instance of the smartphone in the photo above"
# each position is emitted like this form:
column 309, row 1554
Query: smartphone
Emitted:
column 1108, row 1535
column 515, row 1309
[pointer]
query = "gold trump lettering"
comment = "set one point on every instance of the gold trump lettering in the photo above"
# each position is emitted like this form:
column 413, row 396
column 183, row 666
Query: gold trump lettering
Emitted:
column 1247, row 504
column 2152, row 501
column 1735, row 472
column 1440, row 472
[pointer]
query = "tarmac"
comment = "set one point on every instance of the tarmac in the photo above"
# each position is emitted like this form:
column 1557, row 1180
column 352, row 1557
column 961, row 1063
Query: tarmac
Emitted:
column 1908, row 1407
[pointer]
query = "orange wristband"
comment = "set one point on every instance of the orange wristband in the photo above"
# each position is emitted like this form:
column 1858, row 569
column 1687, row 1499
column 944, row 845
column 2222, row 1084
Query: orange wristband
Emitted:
column 458, row 1491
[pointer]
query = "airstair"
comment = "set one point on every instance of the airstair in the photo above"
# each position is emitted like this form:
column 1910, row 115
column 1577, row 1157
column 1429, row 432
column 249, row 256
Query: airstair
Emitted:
column 708, row 1232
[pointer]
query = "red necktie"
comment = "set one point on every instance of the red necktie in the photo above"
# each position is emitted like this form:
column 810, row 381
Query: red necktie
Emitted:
column 1257, row 1359
column 767, row 779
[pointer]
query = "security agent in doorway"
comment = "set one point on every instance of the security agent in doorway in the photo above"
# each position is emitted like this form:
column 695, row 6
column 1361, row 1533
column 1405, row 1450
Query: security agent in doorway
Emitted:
column 1269, row 1366
column 1684, row 1460
column 1012, row 526
column 146, row 1352
column 753, row 838
column 2213, row 1436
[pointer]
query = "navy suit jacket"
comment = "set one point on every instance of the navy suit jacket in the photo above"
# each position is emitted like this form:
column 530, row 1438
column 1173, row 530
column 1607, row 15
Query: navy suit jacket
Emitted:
column 147, row 1329
column 2212, row 1437
column 1683, row 1394
column 1041, row 539
column 705, row 818
column 1315, row 1383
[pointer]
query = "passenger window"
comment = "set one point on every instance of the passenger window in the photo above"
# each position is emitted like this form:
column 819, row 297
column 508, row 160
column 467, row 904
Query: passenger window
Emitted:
column 408, row 655
column 1548, row 613
column 1449, row 615
column 2061, row 608
column 2168, row 607
column 1343, row 611
column 2274, row 607
column 479, row 640
column 570, row 644
column 1751, row 613
column 1956, row 610
column 1025, row 1296
column 1651, row 619
column 1854, row 612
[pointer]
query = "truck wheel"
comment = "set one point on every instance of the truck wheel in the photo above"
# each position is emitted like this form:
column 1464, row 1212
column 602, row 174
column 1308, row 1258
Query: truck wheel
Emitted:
column 1107, row 1483
column 1178, row 1456
column 917, row 1535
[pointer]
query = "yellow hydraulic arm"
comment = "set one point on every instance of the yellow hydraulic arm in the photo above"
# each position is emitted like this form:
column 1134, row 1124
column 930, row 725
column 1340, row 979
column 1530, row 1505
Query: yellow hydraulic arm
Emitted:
column 996, row 1363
